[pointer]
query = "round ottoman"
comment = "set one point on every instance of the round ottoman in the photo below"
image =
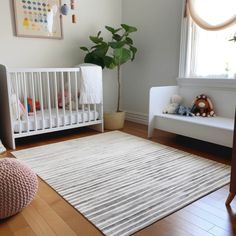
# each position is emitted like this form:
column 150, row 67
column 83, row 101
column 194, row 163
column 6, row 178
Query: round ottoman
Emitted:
column 18, row 186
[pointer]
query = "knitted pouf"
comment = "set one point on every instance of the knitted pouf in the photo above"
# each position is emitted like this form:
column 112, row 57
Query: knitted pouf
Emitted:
column 18, row 186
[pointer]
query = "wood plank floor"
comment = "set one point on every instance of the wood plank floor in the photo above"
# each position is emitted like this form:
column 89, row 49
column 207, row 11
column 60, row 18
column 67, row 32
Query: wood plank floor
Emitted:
column 49, row 214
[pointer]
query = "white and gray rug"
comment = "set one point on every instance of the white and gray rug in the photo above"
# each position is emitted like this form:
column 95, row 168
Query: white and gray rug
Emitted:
column 123, row 183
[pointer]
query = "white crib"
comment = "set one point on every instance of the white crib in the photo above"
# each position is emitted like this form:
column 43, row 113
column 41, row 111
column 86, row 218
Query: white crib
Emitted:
column 42, row 100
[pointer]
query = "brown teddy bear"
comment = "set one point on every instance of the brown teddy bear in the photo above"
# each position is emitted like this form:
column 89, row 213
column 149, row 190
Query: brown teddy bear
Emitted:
column 202, row 106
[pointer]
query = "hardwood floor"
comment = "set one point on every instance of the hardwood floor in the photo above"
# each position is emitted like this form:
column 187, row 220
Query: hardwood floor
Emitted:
column 49, row 214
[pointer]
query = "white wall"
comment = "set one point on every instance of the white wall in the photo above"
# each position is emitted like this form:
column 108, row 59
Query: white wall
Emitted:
column 93, row 15
column 157, row 40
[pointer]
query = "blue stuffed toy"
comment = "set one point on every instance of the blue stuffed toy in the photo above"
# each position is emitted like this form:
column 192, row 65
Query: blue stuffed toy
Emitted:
column 183, row 111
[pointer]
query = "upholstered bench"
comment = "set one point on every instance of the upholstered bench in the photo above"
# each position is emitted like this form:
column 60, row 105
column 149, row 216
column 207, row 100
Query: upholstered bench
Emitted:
column 218, row 130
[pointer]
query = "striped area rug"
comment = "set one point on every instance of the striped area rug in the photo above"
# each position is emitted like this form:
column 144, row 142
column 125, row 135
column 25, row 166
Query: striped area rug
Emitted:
column 122, row 183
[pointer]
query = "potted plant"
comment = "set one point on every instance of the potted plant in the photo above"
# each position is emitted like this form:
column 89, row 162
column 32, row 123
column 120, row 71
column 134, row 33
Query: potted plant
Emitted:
column 112, row 54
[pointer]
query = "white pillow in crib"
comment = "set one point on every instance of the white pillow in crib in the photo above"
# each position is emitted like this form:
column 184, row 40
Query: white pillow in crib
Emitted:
column 15, row 105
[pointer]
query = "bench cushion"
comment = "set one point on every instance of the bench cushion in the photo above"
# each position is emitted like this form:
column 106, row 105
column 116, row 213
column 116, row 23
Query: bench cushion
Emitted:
column 218, row 130
column 217, row 122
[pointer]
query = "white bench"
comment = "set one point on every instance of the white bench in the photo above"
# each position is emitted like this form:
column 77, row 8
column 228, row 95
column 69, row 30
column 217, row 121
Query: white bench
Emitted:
column 218, row 130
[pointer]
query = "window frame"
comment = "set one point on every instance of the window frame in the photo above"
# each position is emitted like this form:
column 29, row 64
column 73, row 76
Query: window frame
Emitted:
column 185, row 54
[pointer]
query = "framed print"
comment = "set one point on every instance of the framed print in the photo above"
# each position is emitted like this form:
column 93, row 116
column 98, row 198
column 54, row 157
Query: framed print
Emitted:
column 38, row 18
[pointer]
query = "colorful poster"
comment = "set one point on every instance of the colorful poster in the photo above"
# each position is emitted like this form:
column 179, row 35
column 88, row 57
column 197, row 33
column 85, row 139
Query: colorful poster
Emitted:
column 38, row 18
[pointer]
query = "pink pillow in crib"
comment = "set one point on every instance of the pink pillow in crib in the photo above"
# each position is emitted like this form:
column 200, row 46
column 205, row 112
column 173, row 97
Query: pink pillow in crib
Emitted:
column 22, row 108
column 16, row 104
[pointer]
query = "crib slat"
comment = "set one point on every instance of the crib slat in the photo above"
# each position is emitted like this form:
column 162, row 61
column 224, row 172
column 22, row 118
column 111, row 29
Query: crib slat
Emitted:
column 56, row 98
column 83, row 111
column 70, row 102
column 34, row 101
column 25, row 101
column 95, row 111
column 89, row 116
column 17, row 102
column 49, row 100
column 41, row 99
column 76, row 98
column 63, row 98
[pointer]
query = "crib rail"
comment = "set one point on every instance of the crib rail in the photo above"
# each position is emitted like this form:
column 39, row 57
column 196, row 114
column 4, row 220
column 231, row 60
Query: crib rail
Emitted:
column 47, row 99
column 15, row 70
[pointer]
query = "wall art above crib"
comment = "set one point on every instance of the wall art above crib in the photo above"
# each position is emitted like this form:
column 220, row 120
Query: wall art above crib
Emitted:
column 38, row 18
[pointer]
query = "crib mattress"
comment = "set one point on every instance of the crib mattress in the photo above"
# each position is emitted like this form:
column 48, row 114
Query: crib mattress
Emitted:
column 63, row 120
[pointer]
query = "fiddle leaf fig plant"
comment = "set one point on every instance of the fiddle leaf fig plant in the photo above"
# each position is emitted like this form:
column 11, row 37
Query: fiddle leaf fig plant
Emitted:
column 113, row 53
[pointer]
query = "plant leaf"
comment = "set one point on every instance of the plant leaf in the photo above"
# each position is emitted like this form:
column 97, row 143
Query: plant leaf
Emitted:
column 84, row 49
column 109, row 28
column 112, row 30
column 94, row 59
column 121, row 55
column 119, row 44
column 109, row 62
column 101, row 50
column 133, row 50
column 129, row 41
column 128, row 28
column 99, row 33
column 117, row 37
column 96, row 39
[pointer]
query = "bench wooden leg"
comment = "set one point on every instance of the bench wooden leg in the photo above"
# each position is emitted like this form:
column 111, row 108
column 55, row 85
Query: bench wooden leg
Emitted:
column 230, row 198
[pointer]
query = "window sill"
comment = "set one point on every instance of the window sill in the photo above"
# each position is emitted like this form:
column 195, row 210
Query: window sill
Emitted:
column 229, row 84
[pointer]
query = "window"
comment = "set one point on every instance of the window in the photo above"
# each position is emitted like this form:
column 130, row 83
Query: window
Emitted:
column 209, row 53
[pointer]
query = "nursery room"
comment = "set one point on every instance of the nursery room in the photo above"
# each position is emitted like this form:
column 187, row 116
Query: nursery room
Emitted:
column 118, row 117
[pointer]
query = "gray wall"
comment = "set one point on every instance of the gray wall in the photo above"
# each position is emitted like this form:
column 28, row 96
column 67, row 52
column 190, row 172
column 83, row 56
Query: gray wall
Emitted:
column 158, row 43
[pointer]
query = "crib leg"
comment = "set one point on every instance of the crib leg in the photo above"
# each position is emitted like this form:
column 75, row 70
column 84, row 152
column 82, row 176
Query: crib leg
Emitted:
column 98, row 127
column 9, row 141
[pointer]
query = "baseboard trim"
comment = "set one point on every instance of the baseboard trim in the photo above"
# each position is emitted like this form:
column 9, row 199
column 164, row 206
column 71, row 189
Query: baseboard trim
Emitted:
column 137, row 117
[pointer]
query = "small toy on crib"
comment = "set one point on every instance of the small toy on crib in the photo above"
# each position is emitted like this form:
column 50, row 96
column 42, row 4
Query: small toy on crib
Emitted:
column 67, row 100
column 175, row 101
column 30, row 105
